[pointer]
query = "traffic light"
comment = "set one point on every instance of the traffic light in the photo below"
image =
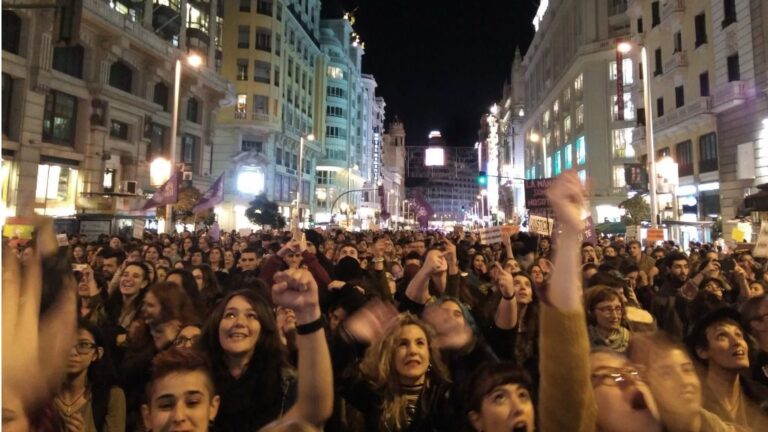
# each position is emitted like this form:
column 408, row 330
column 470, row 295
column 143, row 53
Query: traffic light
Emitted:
column 482, row 178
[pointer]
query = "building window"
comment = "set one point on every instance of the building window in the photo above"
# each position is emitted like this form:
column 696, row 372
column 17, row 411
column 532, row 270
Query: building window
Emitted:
column 704, row 84
column 335, row 92
column 121, row 76
column 618, row 176
column 557, row 163
column 11, row 32
column 639, row 25
column 580, row 116
column 622, row 143
column 279, row 10
column 260, row 104
column 60, row 118
column 640, row 117
column 241, row 110
column 262, row 71
column 278, row 44
column 729, row 7
column 263, row 39
column 243, row 34
column 708, row 152
column 242, row 69
column 655, row 14
column 629, row 107
column 581, row 151
column 335, row 72
column 247, row 145
column 700, row 24
column 193, row 110
column 679, row 96
column 677, row 41
column 279, row 156
column 264, row 7
column 626, row 71
column 188, row 150
column 245, row 5
column 548, row 167
column 119, row 130
column 568, row 156
column 659, row 107
column 733, row 68
column 582, row 176
column 160, row 95
column 578, row 83
column 567, row 128
column 662, row 153
column 68, row 60
column 277, row 76
column 616, row 7
column 156, row 141
column 684, row 157
column 334, row 111
column 659, row 69
column 56, row 188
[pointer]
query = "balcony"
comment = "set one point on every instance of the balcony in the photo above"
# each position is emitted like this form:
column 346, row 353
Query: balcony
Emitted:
column 258, row 116
column 672, row 9
column 678, row 61
column 730, row 95
column 702, row 105
column 241, row 115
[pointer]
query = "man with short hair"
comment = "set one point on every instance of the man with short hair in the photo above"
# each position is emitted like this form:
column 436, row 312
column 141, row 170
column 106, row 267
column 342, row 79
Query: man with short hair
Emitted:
column 250, row 259
column 111, row 261
column 347, row 250
column 669, row 304
column 636, row 256
column 181, row 395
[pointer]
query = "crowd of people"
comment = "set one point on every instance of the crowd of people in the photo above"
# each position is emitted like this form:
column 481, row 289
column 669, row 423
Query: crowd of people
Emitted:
column 384, row 331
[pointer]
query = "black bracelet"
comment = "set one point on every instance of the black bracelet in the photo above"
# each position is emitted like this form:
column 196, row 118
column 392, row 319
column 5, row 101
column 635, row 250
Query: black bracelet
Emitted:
column 310, row 327
column 508, row 298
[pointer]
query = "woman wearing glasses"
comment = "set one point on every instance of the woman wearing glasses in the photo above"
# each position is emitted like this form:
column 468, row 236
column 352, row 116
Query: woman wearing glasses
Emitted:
column 88, row 401
column 605, row 313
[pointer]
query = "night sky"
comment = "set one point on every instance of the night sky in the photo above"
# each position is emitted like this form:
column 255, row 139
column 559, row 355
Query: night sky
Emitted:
column 440, row 64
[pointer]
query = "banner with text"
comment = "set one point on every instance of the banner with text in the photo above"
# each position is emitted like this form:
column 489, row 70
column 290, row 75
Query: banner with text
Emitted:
column 536, row 194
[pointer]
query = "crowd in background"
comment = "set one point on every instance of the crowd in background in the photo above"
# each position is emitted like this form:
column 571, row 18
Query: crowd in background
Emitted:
column 391, row 331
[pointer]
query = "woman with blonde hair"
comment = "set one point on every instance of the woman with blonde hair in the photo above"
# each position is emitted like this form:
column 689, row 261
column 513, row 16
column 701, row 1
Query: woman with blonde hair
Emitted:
column 401, row 382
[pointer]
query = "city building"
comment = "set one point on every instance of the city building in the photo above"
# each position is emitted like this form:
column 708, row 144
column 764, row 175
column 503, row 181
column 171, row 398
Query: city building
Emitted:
column 512, row 115
column 571, row 117
column 740, row 101
column 339, row 175
column 264, row 139
column 679, row 39
column 88, row 107
column 446, row 177
column 391, row 178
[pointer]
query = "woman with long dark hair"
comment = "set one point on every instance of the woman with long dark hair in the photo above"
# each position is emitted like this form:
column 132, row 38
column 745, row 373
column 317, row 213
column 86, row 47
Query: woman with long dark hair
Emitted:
column 208, row 286
column 89, row 399
column 251, row 374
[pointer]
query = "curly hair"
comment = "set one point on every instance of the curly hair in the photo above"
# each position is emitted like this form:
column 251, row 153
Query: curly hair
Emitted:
column 379, row 369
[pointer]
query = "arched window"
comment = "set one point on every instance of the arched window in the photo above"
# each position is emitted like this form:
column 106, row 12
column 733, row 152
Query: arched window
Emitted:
column 121, row 76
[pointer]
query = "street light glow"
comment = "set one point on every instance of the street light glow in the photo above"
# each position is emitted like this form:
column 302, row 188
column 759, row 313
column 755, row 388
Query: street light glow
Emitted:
column 159, row 171
column 535, row 137
column 310, row 137
column 624, row 47
column 194, row 60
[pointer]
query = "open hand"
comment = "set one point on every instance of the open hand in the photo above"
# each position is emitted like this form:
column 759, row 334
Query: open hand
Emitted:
column 370, row 322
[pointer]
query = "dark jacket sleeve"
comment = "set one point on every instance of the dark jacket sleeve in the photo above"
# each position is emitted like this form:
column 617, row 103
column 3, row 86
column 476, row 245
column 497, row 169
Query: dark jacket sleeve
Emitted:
column 408, row 305
column 271, row 266
column 318, row 272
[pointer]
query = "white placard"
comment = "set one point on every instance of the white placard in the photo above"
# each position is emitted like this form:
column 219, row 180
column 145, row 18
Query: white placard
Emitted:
column 138, row 228
column 540, row 225
column 633, row 233
column 490, row 235
column 761, row 247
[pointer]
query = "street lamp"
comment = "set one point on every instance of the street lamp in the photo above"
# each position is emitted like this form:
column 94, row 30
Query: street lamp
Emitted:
column 194, row 60
column 297, row 209
column 159, row 171
column 625, row 47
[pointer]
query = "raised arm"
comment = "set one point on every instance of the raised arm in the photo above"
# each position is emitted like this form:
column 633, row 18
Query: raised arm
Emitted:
column 566, row 392
column 506, row 312
column 297, row 289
